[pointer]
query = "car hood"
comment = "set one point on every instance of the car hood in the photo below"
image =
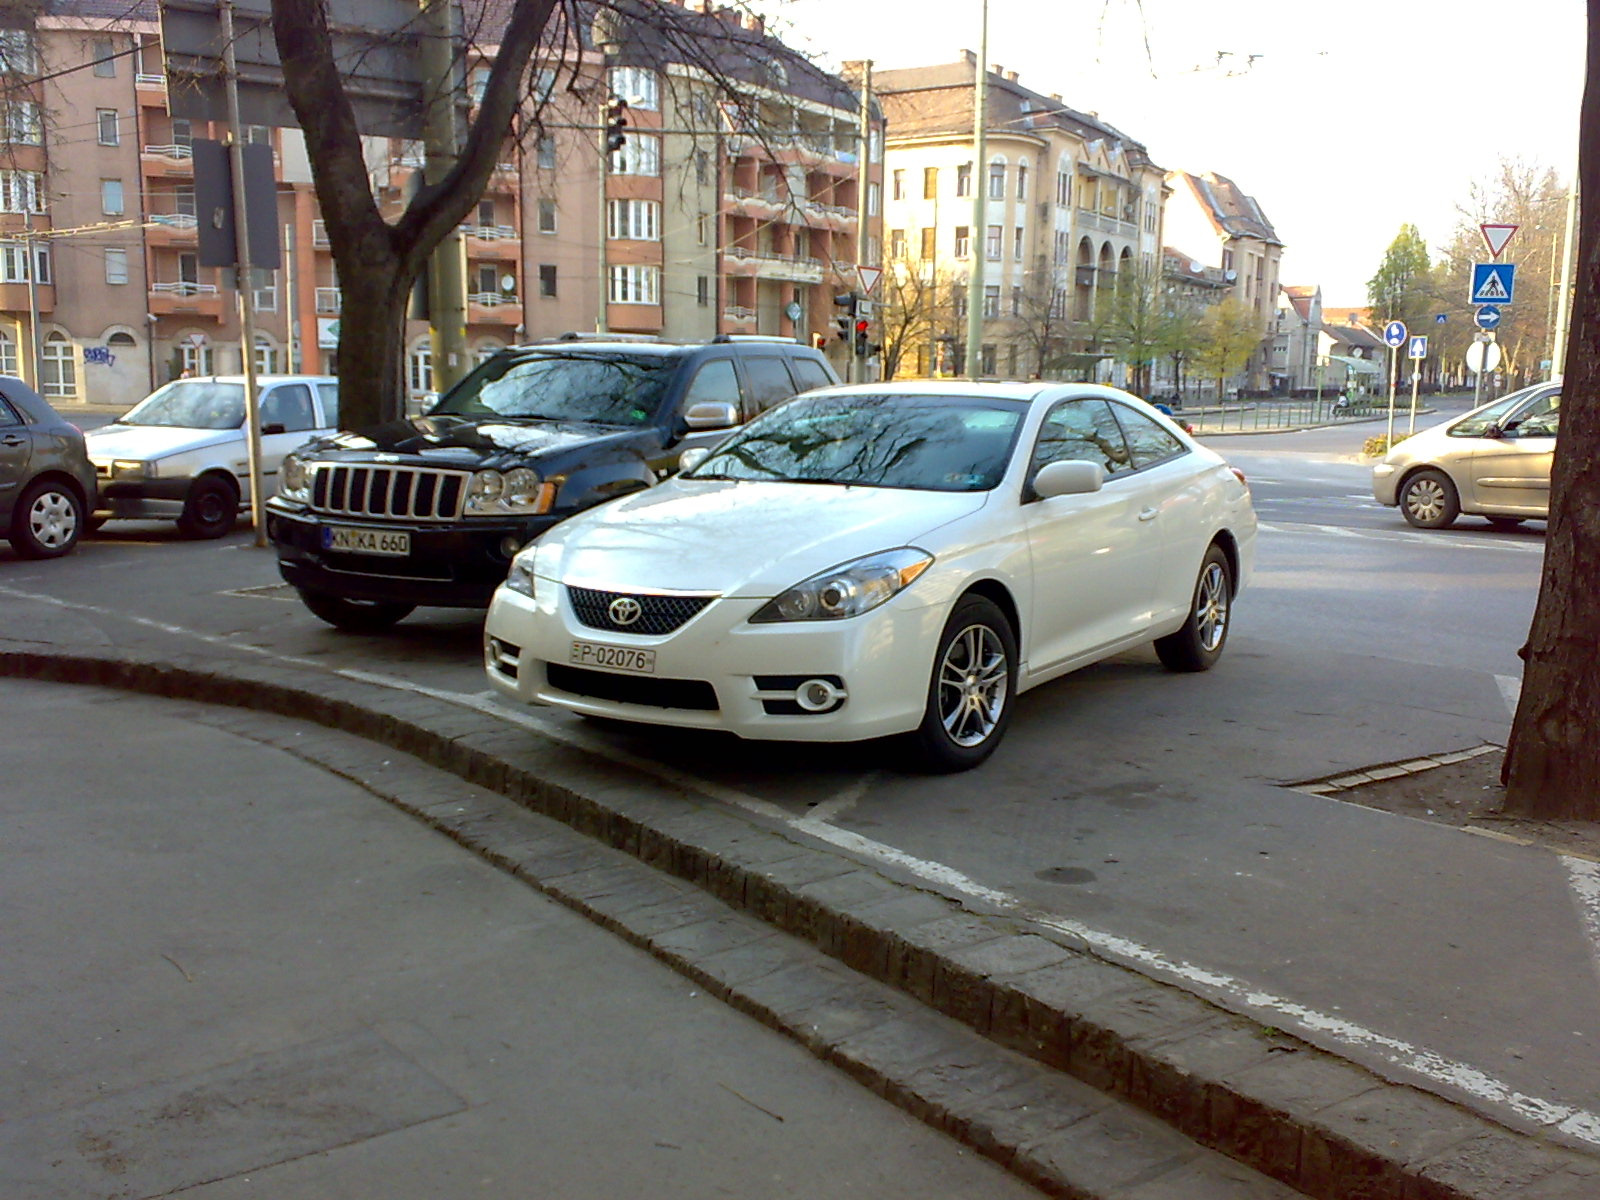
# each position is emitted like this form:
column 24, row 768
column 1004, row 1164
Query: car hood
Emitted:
column 459, row 441
column 1431, row 443
column 146, row 442
column 740, row 538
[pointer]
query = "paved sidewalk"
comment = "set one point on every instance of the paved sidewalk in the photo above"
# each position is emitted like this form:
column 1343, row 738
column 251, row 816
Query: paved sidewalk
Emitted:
column 879, row 955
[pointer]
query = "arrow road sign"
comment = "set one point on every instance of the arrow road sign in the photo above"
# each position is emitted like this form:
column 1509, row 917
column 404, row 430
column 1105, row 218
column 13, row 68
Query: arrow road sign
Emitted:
column 1419, row 347
column 1394, row 334
column 1496, row 237
column 1487, row 317
column 1492, row 283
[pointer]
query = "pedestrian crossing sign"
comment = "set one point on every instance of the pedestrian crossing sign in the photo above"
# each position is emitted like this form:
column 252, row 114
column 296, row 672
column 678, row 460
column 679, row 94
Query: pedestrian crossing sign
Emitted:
column 1492, row 283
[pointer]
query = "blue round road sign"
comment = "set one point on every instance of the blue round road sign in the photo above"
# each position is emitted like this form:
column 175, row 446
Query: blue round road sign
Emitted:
column 1487, row 317
column 1394, row 334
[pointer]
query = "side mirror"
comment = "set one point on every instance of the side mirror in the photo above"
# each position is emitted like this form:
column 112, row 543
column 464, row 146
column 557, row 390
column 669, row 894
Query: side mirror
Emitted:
column 1494, row 431
column 712, row 414
column 1074, row 478
column 693, row 457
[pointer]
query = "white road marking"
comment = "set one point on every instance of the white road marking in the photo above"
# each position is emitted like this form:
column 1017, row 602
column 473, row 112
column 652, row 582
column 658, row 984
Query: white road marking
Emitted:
column 1510, row 691
column 1285, row 1013
column 845, row 798
column 1585, row 878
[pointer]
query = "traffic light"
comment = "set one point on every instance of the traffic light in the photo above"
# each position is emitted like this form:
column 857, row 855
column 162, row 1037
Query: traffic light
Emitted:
column 616, row 122
column 819, row 341
column 861, row 327
column 844, row 323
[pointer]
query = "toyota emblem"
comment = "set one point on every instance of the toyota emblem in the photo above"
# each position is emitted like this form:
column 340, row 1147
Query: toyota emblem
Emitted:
column 625, row 610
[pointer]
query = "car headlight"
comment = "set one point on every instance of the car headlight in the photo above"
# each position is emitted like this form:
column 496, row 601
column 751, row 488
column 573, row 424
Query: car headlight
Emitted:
column 132, row 468
column 849, row 589
column 520, row 491
column 520, row 577
column 294, row 479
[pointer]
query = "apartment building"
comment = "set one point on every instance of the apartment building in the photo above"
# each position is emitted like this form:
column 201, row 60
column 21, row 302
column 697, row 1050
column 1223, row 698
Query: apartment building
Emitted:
column 1072, row 206
column 732, row 207
column 1211, row 217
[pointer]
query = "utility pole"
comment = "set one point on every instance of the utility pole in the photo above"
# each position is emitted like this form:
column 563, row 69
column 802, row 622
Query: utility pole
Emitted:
column 858, row 358
column 243, row 276
column 1558, row 351
column 441, row 145
column 976, row 242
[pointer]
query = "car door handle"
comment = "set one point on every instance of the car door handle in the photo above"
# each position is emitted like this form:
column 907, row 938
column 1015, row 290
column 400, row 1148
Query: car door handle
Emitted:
column 12, row 439
column 1149, row 514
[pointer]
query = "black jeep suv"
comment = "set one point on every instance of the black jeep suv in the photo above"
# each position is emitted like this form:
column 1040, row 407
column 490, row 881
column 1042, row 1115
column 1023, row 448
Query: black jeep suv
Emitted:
column 428, row 511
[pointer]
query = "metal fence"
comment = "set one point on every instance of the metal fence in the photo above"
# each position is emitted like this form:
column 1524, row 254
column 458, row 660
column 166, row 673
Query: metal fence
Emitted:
column 1247, row 416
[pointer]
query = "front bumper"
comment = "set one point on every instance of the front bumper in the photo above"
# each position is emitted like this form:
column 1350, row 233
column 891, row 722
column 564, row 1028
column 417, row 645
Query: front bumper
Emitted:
column 1385, row 484
column 146, row 499
column 718, row 671
column 452, row 566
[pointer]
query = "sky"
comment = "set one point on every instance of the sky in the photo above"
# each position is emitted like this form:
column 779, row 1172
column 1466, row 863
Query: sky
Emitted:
column 1351, row 121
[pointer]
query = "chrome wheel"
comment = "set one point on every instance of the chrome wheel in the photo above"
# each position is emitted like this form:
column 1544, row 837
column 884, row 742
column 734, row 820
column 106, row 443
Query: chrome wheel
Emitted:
column 973, row 685
column 1211, row 607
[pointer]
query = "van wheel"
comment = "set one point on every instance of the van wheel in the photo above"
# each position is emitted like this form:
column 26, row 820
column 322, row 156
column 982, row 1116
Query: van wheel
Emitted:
column 211, row 508
column 355, row 616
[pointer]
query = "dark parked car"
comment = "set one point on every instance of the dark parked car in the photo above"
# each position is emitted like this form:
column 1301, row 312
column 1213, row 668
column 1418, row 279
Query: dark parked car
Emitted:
column 430, row 510
column 47, row 487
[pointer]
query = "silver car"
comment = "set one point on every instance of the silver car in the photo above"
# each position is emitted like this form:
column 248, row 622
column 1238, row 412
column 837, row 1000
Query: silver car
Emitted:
column 1494, row 462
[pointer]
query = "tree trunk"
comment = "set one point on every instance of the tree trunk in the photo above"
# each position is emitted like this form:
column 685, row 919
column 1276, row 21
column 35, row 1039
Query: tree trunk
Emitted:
column 1552, row 767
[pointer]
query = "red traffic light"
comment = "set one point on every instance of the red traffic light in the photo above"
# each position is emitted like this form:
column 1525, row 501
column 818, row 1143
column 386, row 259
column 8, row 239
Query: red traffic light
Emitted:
column 861, row 327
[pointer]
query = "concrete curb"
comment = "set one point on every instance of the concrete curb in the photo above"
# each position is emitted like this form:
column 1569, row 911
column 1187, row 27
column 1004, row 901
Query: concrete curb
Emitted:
column 1296, row 1114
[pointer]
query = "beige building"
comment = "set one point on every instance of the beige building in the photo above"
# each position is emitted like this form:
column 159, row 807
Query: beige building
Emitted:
column 1211, row 218
column 733, row 207
column 1072, row 206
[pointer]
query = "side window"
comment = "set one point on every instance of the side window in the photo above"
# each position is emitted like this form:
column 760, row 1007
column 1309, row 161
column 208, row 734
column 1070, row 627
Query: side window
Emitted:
column 809, row 373
column 8, row 415
column 328, row 393
column 768, row 379
column 1539, row 419
column 289, row 405
column 1147, row 441
column 714, row 381
column 1082, row 429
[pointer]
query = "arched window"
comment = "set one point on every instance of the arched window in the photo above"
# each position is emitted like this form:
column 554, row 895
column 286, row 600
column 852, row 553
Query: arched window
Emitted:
column 198, row 360
column 266, row 356
column 58, row 370
column 487, row 350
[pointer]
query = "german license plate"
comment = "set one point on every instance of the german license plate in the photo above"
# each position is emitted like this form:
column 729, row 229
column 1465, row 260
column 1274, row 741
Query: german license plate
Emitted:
column 348, row 540
column 614, row 658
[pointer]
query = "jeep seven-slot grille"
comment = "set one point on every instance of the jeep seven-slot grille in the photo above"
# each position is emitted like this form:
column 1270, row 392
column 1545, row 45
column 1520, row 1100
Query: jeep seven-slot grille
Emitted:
column 656, row 614
column 400, row 493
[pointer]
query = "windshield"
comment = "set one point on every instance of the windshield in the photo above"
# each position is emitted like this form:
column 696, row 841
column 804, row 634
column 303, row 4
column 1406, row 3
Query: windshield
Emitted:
column 191, row 404
column 929, row 443
column 600, row 387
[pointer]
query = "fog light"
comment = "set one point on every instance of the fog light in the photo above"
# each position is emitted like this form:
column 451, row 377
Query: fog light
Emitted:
column 509, row 545
column 817, row 695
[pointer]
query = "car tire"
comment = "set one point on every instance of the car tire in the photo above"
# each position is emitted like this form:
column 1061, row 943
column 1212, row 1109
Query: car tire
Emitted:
column 355, row 616
column 1429, row 500
column 47, row 522
column 210, row 509
column 1198, row 644
column 967, row 709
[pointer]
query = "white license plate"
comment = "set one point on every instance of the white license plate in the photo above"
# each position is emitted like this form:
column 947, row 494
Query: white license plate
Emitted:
column 614, row 658
column 394, row 543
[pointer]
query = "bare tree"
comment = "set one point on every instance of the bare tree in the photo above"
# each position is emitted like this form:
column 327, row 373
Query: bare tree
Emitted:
column 916, row 310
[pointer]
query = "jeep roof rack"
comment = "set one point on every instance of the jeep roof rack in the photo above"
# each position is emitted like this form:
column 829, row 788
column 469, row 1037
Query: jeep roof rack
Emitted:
column 753, row 337
column 580, row 335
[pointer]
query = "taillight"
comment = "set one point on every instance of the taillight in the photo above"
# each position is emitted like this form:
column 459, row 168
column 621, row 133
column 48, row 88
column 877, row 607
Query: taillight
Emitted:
column 1239, row 475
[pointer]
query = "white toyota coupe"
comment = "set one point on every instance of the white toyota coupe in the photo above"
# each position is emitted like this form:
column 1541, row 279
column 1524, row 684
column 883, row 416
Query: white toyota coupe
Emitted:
column 884, row 559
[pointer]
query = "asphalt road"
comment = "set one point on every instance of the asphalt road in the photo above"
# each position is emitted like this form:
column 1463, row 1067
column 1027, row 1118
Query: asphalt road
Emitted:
column 1143, row 811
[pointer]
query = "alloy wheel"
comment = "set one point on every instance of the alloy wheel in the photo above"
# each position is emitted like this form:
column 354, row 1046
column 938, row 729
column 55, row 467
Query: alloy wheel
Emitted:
column 973, row 677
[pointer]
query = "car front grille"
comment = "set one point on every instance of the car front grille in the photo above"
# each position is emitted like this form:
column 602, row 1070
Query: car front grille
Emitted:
column 694, row 694
column 399, row 493
column 656, row 614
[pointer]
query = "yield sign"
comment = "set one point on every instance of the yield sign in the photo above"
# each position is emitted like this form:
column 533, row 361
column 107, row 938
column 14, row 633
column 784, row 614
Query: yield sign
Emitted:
column 869, row 277
column 1497, row 236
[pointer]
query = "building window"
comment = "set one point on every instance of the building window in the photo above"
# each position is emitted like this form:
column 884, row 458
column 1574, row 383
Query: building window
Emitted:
column 21, row 191
column 116, row 265
column 986, row 360
column 634, row 220
column 1016, row 302
column 545, row 154
column 21, row 125
column 640, row 155
column 702, row 290
column 635, row 285
column 637, row 86
column 993, row 243
column 897, row 243
column 897, row 185
column 964, row 179
column 183, row 132
column 547, row 215
column 997, row 181
column 419, row 368
column 1016, row 243
column 14, row 262
column 547, row 279
column 702, row 223
column 8, row 348
column 1063, row 188
column 104, row 65
column 702, row 167
column 58, row 371
column 930, row 182
column 873, row 191
column 264, row 289
column 963, row 241
column 266, row 356
column 106, row 120
column 16, row 53
column 1022, row 181
column 111, row 201
column 930, row 248
column 991, row 300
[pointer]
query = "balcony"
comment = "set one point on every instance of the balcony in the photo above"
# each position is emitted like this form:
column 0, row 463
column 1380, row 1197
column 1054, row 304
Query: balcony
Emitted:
column 493, row 308
column 14, row 297
column 494, row 241
column 175, row 159
column 319, row 234
column 172, row 229
column 738, row 314
column 761, row 205
column 329, row 300
column 792, row 268
column 186, row 298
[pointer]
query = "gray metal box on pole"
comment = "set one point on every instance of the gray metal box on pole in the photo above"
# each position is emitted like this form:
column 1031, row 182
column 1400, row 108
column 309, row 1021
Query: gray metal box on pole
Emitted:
column 214, row 206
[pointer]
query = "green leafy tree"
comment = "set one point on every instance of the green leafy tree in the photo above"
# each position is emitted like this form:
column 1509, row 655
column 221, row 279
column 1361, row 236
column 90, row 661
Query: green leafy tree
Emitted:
column 1137, row 323
column 1402, row 289
column 1229, row 332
